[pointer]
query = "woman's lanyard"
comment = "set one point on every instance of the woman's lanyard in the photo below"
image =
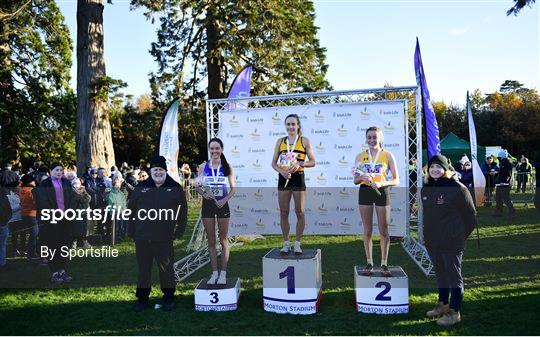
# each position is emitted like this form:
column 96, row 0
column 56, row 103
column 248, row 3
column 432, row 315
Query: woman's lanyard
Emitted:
column 372, row 161
column 291, row 150
column 214, row 173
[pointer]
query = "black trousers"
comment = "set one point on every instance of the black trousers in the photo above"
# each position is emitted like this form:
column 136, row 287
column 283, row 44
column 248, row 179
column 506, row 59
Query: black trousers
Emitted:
column 522, row 180
column 163, row 253
column 449, row 280
column 57, row 235
column 502, row 195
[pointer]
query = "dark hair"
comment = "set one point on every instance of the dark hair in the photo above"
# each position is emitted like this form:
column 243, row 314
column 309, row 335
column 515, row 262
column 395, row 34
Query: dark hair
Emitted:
column 224, row 162
column 297, row 120
column 373, row 128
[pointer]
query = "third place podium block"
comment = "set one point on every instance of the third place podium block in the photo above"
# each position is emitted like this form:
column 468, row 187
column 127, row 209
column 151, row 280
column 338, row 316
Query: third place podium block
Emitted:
column 217, row 297
column 292, row 283
column 377, row 294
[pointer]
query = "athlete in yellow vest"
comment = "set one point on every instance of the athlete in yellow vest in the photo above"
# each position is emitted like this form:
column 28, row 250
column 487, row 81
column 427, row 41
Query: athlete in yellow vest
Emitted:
column 292, row 154
column 372, row 166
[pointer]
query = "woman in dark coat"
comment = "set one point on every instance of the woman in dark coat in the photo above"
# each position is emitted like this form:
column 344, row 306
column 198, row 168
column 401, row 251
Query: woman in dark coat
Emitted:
column 56, row 193
column 449, row 218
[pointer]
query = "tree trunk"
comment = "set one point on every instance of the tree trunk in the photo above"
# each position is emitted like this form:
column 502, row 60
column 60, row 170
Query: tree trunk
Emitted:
column 214, row 64
column 94, row 139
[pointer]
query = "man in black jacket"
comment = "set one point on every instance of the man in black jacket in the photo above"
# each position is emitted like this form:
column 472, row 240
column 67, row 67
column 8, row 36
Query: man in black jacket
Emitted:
column 504, row 181
column 163, row 196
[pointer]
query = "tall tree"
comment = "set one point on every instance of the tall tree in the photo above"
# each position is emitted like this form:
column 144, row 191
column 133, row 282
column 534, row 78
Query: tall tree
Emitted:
column 212, row 40
column 94, row 139
column 36, row 104
column 518, row 5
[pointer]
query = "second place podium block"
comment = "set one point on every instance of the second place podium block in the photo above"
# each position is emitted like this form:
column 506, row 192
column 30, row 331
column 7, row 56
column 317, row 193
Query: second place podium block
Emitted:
column 377, row 294
column 292, row 283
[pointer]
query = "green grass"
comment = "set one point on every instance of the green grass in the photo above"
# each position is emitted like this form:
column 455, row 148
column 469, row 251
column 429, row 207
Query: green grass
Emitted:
column 502, row 295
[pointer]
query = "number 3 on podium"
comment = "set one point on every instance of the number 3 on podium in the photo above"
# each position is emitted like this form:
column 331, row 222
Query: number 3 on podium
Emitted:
column 289, row 274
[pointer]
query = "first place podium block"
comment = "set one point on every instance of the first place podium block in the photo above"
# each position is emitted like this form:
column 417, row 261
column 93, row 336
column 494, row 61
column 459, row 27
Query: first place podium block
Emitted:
column 217, row 297
column 292, row 283
column 377, row 294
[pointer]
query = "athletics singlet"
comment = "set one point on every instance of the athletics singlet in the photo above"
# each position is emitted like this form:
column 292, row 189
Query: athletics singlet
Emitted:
column 216, row 180
column 376, row 166
column 298, row 150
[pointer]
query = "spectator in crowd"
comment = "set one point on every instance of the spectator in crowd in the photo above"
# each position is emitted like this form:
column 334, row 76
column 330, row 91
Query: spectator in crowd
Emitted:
column 131, row 180
column 18, row 235
column 537, row 182
column 143, row 175
column 154, row 238
column 35, row 170
column 124, row 168
column 504, row 180
column 103, row 187
column 56, row 193
column 5, row 215
column 185, row 175
column 117, row 198
column 28, row 212
column 42, row 175
column 490, row 169
column 524, row 169
column 466, row 173
column 81, row 200
column 70, row 173
column 449, row 218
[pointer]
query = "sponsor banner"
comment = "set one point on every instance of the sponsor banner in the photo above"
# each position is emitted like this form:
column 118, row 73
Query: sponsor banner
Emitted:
column 337, row 135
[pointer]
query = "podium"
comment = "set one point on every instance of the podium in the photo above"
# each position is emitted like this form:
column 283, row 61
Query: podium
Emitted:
column 377, row 294
column 292, row 283
column 217, row 297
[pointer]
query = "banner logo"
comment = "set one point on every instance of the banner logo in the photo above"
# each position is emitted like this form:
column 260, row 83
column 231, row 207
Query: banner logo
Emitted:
column 321, row 180
column 233, row 121
column 235, row 152
column 342, row 131
column 320, row 149
column 276, row 120
column 255, row 135
column 319, row 118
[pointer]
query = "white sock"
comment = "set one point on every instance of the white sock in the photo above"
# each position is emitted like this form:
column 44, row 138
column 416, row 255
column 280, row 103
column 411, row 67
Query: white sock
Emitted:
column 370, row 261
column 223, row 273
column 384, row 263
column 215, row 273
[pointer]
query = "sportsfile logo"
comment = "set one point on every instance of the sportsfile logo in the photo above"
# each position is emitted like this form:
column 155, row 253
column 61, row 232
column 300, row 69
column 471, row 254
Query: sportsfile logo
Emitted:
column 320, row 149
column 318, row 117
column 342, row 131
column 233, row 121
column 255, row 135
column 276, row 120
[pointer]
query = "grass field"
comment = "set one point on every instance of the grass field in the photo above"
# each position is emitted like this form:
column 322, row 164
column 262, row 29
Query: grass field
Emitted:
column 502, row 295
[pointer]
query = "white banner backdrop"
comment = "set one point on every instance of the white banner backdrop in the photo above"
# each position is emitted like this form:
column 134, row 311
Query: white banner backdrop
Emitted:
column 337, row 134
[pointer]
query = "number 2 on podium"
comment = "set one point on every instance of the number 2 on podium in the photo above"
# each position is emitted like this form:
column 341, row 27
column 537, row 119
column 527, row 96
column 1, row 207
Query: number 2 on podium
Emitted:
column 289, row 274
column 381, row 297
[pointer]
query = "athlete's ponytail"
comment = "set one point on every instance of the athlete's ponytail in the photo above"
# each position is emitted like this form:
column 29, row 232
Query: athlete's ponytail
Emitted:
column 224, row 162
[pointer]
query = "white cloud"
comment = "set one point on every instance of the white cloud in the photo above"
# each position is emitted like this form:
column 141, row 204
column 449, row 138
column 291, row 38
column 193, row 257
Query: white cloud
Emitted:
column 458, row 31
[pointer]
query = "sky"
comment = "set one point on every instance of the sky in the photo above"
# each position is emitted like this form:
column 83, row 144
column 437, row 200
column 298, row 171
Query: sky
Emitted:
column 466, row 45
